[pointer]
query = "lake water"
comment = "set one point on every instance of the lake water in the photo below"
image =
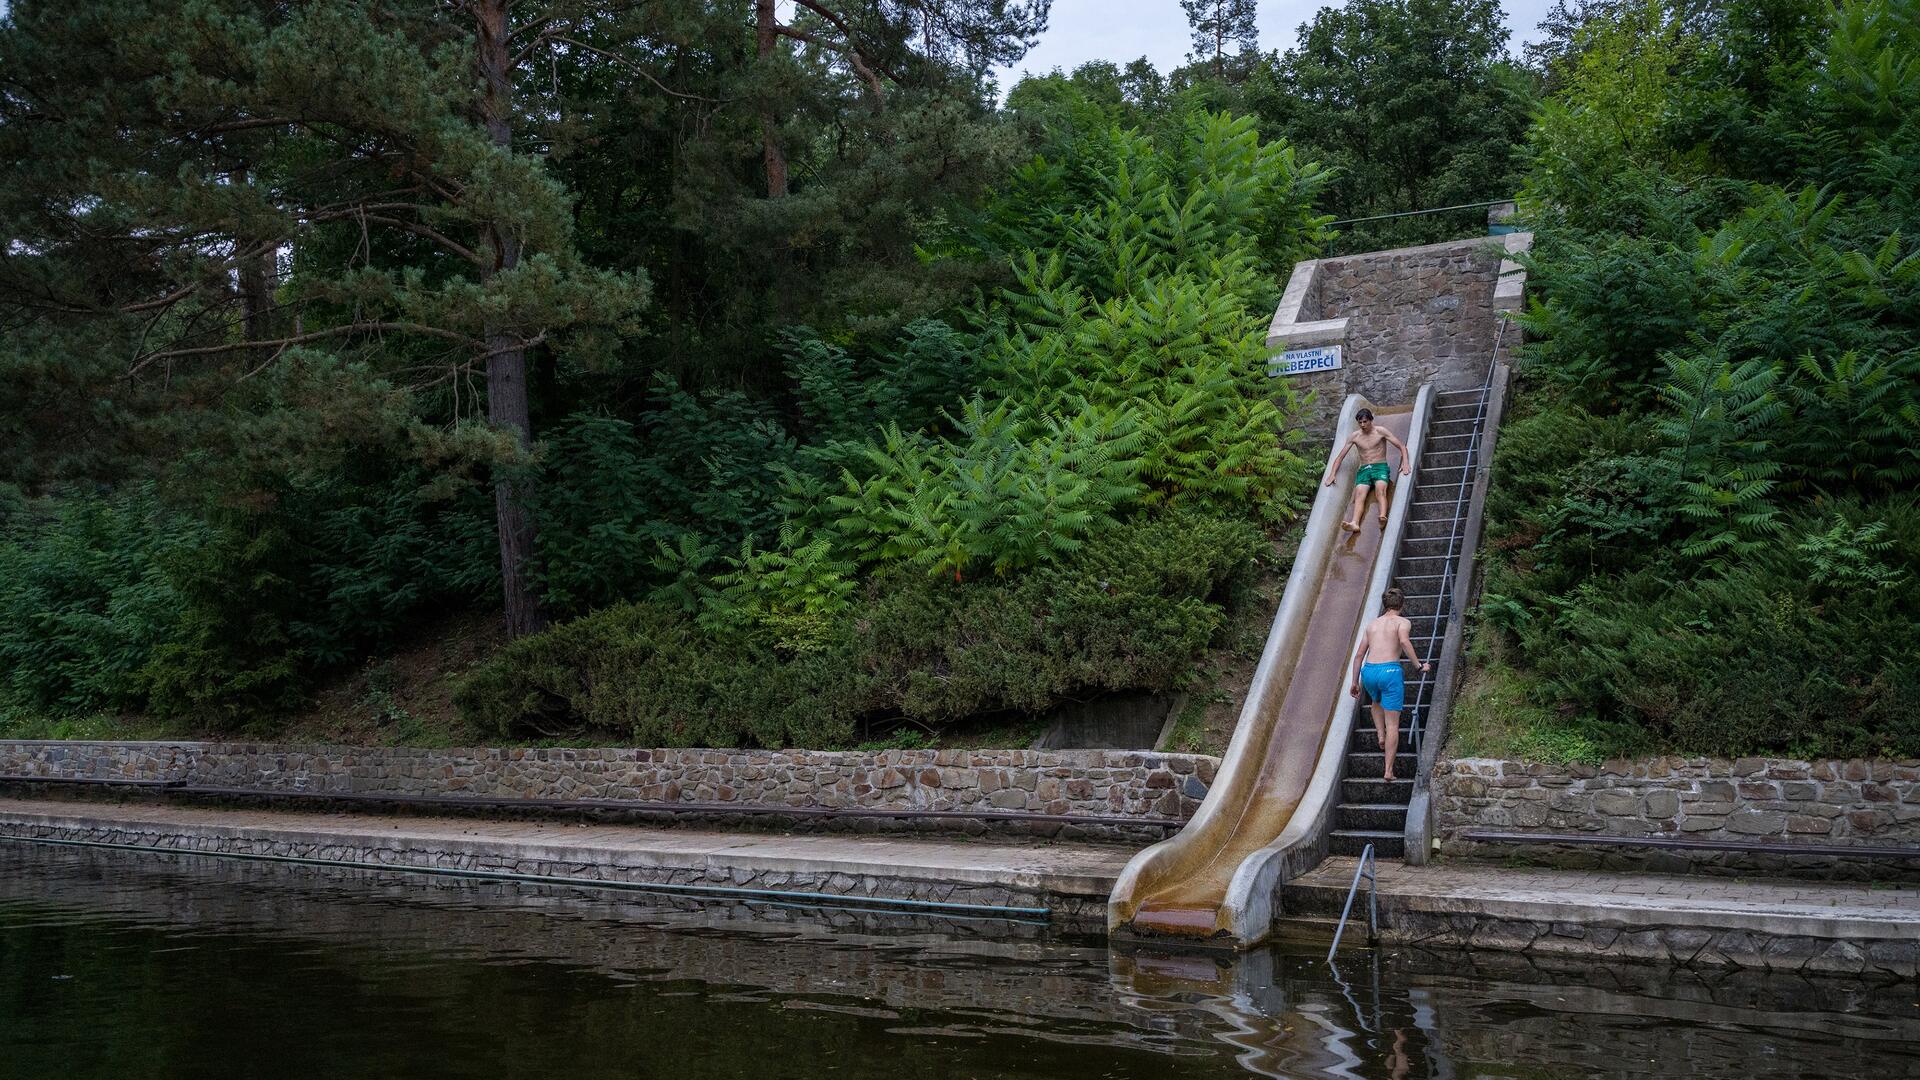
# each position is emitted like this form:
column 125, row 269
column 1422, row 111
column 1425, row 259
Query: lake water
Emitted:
column 124, row 965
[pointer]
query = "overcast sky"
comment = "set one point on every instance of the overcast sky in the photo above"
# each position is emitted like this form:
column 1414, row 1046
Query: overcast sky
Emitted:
column 1121, row 30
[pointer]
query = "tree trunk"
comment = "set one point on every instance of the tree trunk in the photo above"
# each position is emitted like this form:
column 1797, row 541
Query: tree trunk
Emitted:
column 254, row 276
column 776, row 159
column 256, row 295
column 507, row 402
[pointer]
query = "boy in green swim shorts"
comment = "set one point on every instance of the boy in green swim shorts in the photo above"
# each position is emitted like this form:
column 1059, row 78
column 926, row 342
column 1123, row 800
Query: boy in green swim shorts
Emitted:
column 1373, row 477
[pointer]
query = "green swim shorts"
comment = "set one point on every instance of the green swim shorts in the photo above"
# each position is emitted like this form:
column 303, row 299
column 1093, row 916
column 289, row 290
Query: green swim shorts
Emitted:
column 1369, row 475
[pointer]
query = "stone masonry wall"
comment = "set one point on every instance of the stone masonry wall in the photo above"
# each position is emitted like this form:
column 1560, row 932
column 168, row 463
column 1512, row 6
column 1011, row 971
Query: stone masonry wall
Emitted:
column 1745, row 800
column 1078, row 911
column 1105, row 783
column 1413, row 316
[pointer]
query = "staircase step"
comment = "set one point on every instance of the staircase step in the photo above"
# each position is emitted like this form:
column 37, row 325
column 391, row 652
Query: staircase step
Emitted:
column 1441, row 527
column 1386, row 844
column 1386, row 817
column 1372, row 765
column 1362, row 740
column 1364, row 790
column 1420, row 607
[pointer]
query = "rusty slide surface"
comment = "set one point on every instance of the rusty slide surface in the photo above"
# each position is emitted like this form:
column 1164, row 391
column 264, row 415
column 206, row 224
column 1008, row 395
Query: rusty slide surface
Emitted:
column 1178, row 887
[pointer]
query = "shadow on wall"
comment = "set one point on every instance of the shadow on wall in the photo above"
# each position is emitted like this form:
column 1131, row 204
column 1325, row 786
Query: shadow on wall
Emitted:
column 1114, row 722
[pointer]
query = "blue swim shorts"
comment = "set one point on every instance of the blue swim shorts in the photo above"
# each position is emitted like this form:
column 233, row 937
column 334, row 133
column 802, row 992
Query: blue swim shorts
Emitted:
column 1385, row 685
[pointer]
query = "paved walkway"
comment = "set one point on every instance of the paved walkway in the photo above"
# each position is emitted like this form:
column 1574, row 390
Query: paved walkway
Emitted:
column 1812, row 908
column 1069, row 869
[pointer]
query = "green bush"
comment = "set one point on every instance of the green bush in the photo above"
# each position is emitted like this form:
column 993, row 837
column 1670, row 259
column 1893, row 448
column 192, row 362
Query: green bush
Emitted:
column 650, row 674
column 225, row 616
column 85, row 599
column 1787, row 651
column 1132, row 611
column 1703, row 519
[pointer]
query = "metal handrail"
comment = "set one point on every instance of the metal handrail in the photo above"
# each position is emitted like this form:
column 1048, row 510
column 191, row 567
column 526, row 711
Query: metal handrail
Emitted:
column 1428, row 210
column 1443, row 600
column 1366, row 869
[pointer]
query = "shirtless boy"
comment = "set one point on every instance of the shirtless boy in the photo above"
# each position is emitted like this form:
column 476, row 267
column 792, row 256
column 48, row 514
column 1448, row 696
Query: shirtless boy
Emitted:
column 1373, row 475
column 1387, row 638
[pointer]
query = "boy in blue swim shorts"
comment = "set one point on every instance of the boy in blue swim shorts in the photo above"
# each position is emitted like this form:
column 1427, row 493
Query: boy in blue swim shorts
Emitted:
column 1376, row 669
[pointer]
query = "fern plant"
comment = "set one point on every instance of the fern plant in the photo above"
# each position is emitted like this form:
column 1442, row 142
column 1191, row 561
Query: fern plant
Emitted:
column 794, row 594
column 1721, row 463
column 1848, row 556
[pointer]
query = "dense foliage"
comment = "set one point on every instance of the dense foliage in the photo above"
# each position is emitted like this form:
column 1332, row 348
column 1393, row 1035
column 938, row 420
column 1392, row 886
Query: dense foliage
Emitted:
column 1130, row 612
column 751, row 323
column 1706, row 506
column 810, row 392
column 309, row 283
column 1075, row 522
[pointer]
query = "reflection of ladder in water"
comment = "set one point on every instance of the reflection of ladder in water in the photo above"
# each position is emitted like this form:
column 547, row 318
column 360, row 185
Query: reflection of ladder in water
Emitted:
column 1373, row 810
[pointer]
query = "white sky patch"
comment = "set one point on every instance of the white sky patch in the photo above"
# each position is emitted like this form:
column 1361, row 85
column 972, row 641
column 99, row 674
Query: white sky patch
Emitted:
column 1123, row 30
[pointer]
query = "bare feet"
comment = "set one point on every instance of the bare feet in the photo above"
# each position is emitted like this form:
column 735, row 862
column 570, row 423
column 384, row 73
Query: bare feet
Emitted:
column 1350, row 526
column 1389, row 776
column 1383, row 522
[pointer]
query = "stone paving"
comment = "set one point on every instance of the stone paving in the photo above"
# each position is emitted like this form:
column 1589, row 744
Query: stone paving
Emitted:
column 1072, row 880
column 1792, row 925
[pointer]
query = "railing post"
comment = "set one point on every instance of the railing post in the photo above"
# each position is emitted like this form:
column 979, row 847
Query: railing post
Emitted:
column 1365, row 869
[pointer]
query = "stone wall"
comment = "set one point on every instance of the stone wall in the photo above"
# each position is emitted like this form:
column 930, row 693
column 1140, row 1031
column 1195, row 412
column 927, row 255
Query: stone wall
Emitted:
column 1415, row 315
column 1745, row 800
column 1098, row 783
column 402, row 850
column 1404, row 317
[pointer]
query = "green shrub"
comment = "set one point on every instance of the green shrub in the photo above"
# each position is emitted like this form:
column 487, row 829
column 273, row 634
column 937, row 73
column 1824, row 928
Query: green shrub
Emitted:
column 224, row 617
column 1132, row 611
column 652, row 675
column 1703, row 527
column 1784, row 652
column 85, row 599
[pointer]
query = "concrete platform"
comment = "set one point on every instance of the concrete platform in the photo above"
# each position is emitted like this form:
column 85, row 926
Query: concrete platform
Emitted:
column 1780, row 924
column 1064, row 883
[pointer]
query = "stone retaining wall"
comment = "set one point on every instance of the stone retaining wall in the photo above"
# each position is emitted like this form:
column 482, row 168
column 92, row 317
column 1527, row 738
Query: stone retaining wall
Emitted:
column 1745, row 800
column 1103, row 783
column 1404, row 317
column 1689, row 946
column 401, row 851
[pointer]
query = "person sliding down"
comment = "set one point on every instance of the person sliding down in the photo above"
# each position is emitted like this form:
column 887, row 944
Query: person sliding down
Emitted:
column 1373, row 475
column 1387, row 636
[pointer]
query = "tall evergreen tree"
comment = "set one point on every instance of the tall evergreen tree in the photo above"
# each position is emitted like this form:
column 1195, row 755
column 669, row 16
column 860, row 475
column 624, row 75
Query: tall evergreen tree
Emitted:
column 1413, row 101
column 161, row 159
column 1219, row 25
column 890, row 42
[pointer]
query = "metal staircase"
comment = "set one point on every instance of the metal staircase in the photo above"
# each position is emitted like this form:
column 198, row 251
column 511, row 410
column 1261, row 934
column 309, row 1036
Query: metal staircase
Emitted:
column 1373, row 810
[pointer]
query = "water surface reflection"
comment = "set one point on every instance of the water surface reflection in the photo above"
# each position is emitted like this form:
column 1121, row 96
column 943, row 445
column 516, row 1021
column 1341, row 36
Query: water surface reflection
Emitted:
column 115, row 964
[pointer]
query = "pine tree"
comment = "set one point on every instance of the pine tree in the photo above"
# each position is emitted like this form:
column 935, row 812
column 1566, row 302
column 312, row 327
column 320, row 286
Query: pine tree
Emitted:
column 1218, row 25
column 162, row 158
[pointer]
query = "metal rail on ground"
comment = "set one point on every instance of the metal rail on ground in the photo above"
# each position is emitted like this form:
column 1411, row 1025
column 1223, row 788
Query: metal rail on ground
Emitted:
column 454, row 802
column 1365, row 869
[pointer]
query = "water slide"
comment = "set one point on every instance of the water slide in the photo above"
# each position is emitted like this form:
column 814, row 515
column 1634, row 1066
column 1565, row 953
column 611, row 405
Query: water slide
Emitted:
column 1266, row 816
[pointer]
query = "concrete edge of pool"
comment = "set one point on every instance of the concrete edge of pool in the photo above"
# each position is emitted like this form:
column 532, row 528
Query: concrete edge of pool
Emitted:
column 1064, row 884
column 1776, row 925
